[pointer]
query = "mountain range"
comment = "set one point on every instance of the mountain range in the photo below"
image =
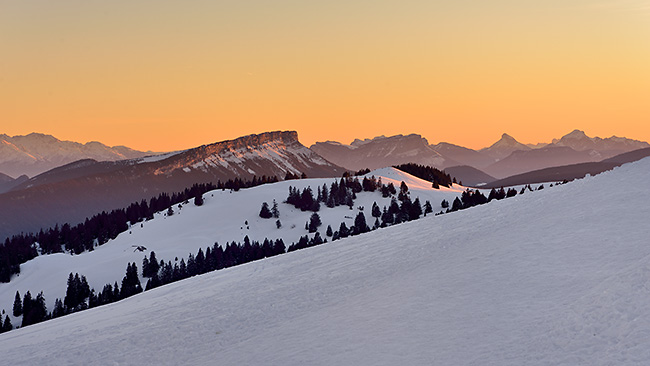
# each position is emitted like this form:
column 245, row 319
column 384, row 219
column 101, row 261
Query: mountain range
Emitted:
column 504, row 158
column 70, row 193
column 36, row 153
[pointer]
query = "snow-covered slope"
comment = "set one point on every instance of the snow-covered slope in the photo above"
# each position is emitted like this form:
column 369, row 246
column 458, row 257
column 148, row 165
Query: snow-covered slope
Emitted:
column 555, row 277
column 226, row 216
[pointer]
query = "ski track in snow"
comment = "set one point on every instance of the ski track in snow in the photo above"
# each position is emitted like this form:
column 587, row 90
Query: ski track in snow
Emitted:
column 554, row 277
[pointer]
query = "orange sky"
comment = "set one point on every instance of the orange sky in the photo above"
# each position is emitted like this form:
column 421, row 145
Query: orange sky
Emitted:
column 164, row 75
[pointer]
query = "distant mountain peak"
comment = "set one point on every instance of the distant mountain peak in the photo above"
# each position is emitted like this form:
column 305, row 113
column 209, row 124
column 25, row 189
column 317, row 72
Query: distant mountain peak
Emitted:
column 578, row 140
column 508, row 141
column 37, row 152
column 504, row 147
column 576, row 134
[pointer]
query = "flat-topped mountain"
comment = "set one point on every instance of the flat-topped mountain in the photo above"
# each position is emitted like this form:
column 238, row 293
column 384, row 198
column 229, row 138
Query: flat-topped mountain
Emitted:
column 72, row 192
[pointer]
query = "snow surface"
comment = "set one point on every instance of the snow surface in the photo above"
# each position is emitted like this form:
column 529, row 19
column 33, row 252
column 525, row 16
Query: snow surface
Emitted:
column 225, row 216
column 555, row 277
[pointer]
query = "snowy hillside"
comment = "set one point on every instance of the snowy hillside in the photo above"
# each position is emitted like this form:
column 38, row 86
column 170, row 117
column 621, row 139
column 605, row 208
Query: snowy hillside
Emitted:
column 557, row 277
column 225, row 216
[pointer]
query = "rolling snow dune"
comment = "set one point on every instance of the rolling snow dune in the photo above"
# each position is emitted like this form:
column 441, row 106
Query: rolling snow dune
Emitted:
column 555, row 277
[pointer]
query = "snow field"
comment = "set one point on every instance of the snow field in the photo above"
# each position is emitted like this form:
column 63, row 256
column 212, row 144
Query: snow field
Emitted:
column 559, row 277
column 221, row 219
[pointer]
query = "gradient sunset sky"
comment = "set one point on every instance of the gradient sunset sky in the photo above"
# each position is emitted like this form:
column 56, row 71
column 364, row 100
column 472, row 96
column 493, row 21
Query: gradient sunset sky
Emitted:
column 163, row 75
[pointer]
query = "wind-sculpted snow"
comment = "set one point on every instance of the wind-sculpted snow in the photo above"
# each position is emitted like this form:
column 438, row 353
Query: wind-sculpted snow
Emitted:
column 555, row 277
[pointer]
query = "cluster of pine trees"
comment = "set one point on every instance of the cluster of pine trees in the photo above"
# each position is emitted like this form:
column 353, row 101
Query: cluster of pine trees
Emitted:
column 405, row 210
column 267, row 213
column 79, row 296
column 33, row 310
column 102, row 227
column 342, row 192
column 212, row 259
column 470, row 198
column 238, row 183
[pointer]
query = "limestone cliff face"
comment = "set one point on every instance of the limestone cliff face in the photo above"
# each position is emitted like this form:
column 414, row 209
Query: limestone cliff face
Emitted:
column 270, row 153
column 80, row 189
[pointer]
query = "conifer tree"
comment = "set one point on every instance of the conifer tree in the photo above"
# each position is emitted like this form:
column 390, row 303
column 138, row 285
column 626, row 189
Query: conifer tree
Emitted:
column 274, row 210
column 343, row 231
column 376, row 212
column 416, row 209
column 360, row 223
column 130, row 283
column 7, row 326
column 18, row 305
column 376, row 225
column 265, row 212
column 58, row 310
column 314, row 222
column 198, row 200
column 457, row 205
column 427, row 208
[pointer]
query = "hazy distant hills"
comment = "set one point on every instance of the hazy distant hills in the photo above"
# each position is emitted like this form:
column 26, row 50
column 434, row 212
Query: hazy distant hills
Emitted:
column 468, row 175
column 382, row 152
column 506, row 157
column 569, row 172
column 74, row 191
column 36, row 153
column 573, row 148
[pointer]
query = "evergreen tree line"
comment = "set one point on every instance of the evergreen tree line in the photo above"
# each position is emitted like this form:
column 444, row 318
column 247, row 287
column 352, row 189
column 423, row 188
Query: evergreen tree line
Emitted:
column 342, row 192
column 437, row 177
column 79, row 296
column 102, row 227
column 470, row 198
column 212, row 259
